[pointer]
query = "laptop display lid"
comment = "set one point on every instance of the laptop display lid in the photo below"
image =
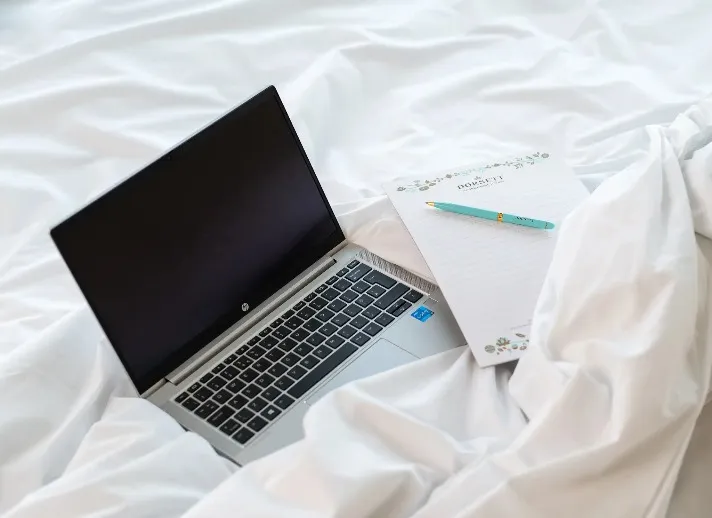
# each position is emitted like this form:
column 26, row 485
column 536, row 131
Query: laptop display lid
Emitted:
column 179, row 252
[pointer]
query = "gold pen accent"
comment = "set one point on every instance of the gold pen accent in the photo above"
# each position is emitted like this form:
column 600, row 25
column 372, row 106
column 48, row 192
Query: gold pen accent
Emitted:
column 499, row 217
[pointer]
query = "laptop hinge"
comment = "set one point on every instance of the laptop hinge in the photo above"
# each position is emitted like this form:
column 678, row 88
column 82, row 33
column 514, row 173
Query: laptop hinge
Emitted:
column 152, row 390
column 242, row 327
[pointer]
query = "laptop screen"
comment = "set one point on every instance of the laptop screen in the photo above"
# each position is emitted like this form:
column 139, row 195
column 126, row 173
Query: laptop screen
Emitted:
column 168, row 258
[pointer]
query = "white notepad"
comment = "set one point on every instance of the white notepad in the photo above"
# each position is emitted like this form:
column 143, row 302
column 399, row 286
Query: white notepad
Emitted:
column 490, row 273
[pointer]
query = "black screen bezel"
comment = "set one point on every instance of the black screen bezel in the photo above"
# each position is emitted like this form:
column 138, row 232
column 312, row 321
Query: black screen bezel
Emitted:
column 194, row 345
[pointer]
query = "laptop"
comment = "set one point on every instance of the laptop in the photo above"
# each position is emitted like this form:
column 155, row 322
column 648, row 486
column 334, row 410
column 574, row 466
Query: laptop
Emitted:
column 224, row 283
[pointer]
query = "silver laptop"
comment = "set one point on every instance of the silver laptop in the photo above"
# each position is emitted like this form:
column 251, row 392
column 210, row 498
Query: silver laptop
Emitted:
column 222, row 280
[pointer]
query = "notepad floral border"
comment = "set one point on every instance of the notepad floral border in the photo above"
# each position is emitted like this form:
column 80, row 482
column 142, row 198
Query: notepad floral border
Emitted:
column 517, row 163
column 504, row 344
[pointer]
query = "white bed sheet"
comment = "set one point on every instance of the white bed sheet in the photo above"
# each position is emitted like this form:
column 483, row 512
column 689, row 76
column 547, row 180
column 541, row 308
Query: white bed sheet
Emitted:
column 90, row 91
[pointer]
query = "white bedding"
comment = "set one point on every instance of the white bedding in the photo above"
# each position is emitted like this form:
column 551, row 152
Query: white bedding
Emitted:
column 90, row 91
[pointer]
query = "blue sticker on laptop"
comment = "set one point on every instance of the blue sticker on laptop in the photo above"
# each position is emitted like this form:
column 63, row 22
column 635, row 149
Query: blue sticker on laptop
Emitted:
column 422, row 313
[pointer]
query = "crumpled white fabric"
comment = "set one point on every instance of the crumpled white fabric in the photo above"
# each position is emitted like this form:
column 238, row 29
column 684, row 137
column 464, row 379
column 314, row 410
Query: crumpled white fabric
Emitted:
column 617, row 377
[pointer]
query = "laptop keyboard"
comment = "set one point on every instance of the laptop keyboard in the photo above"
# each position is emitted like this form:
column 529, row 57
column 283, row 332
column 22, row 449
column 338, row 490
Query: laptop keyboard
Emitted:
column 254, row 384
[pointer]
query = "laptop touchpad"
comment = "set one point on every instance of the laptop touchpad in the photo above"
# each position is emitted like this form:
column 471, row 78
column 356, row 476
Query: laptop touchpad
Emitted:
column 381, row 356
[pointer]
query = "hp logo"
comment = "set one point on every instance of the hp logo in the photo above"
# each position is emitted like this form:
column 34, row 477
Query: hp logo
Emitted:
column 245, row 306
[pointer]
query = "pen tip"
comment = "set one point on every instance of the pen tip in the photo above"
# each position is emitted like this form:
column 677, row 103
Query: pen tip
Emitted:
column 432, row 204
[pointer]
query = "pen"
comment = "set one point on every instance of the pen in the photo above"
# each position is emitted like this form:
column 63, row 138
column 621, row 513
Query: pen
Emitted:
column 492, row 215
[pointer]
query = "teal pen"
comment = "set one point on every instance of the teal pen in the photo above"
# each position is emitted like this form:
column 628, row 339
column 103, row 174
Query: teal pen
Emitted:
column 492, row 215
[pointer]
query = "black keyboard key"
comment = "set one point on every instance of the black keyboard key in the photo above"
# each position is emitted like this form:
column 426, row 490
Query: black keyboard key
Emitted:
column 281, row 332
column 399, row 308
column 257, row 404
column 392, row 295
column 334, row 341
column 310, row 297
column 284, row 383
column 265, row 380
column 347, row 331
column 230, row 372
column 262, row 365
column 222, row 396
column 277, row 369
column 229, row 427
column 220, row 416
column 248, row 375
column 321, row 370
column 191, row 404
column 340, row 319
column 238, row 402
column 318, row 303
column 309, row 362
column 360, row 286
column 283, row 401
column 203, row 394
column 257, row 424
column 195, row 386
column 181, row 397
column 349, row 296
column 312, row 325
column 275, row 354
column 372, row 329
column 328, row 329
column 253, row 340
column 265, row 332
column 342, row 272
column 413, row 296
column 303, row 349
column 235, row 386
column 322, row 352
column 353, row 310
column 207, row 377
column 330, row 294
column 243, row 349
column 244, row 415
column 364, row 300
column 370, row 312
column 294, row 323
column 270, row 412
column 276, row 323
column 299, row 305
column 288, row 314
column 216, row 383
column 376, row 277
column 231, row 358
column 358, row 272
column 290, row 359
column 324, row 315
column 352, row 264
column 359, row 322
column 243, row 362
column 331, row 280
column 337, row 305
column 297, row 372
column 243, row 435
column 306, row 313
column 218, row 368
column 270, row 341
column 316, row 339
column 343, row 285
column 206, row 409
column 251, row 391
column 288, row 344
column 300, row 334
column 321, row 288
column 270, row 394
column 360, row 339
column 376, row 290
column 256, row 352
